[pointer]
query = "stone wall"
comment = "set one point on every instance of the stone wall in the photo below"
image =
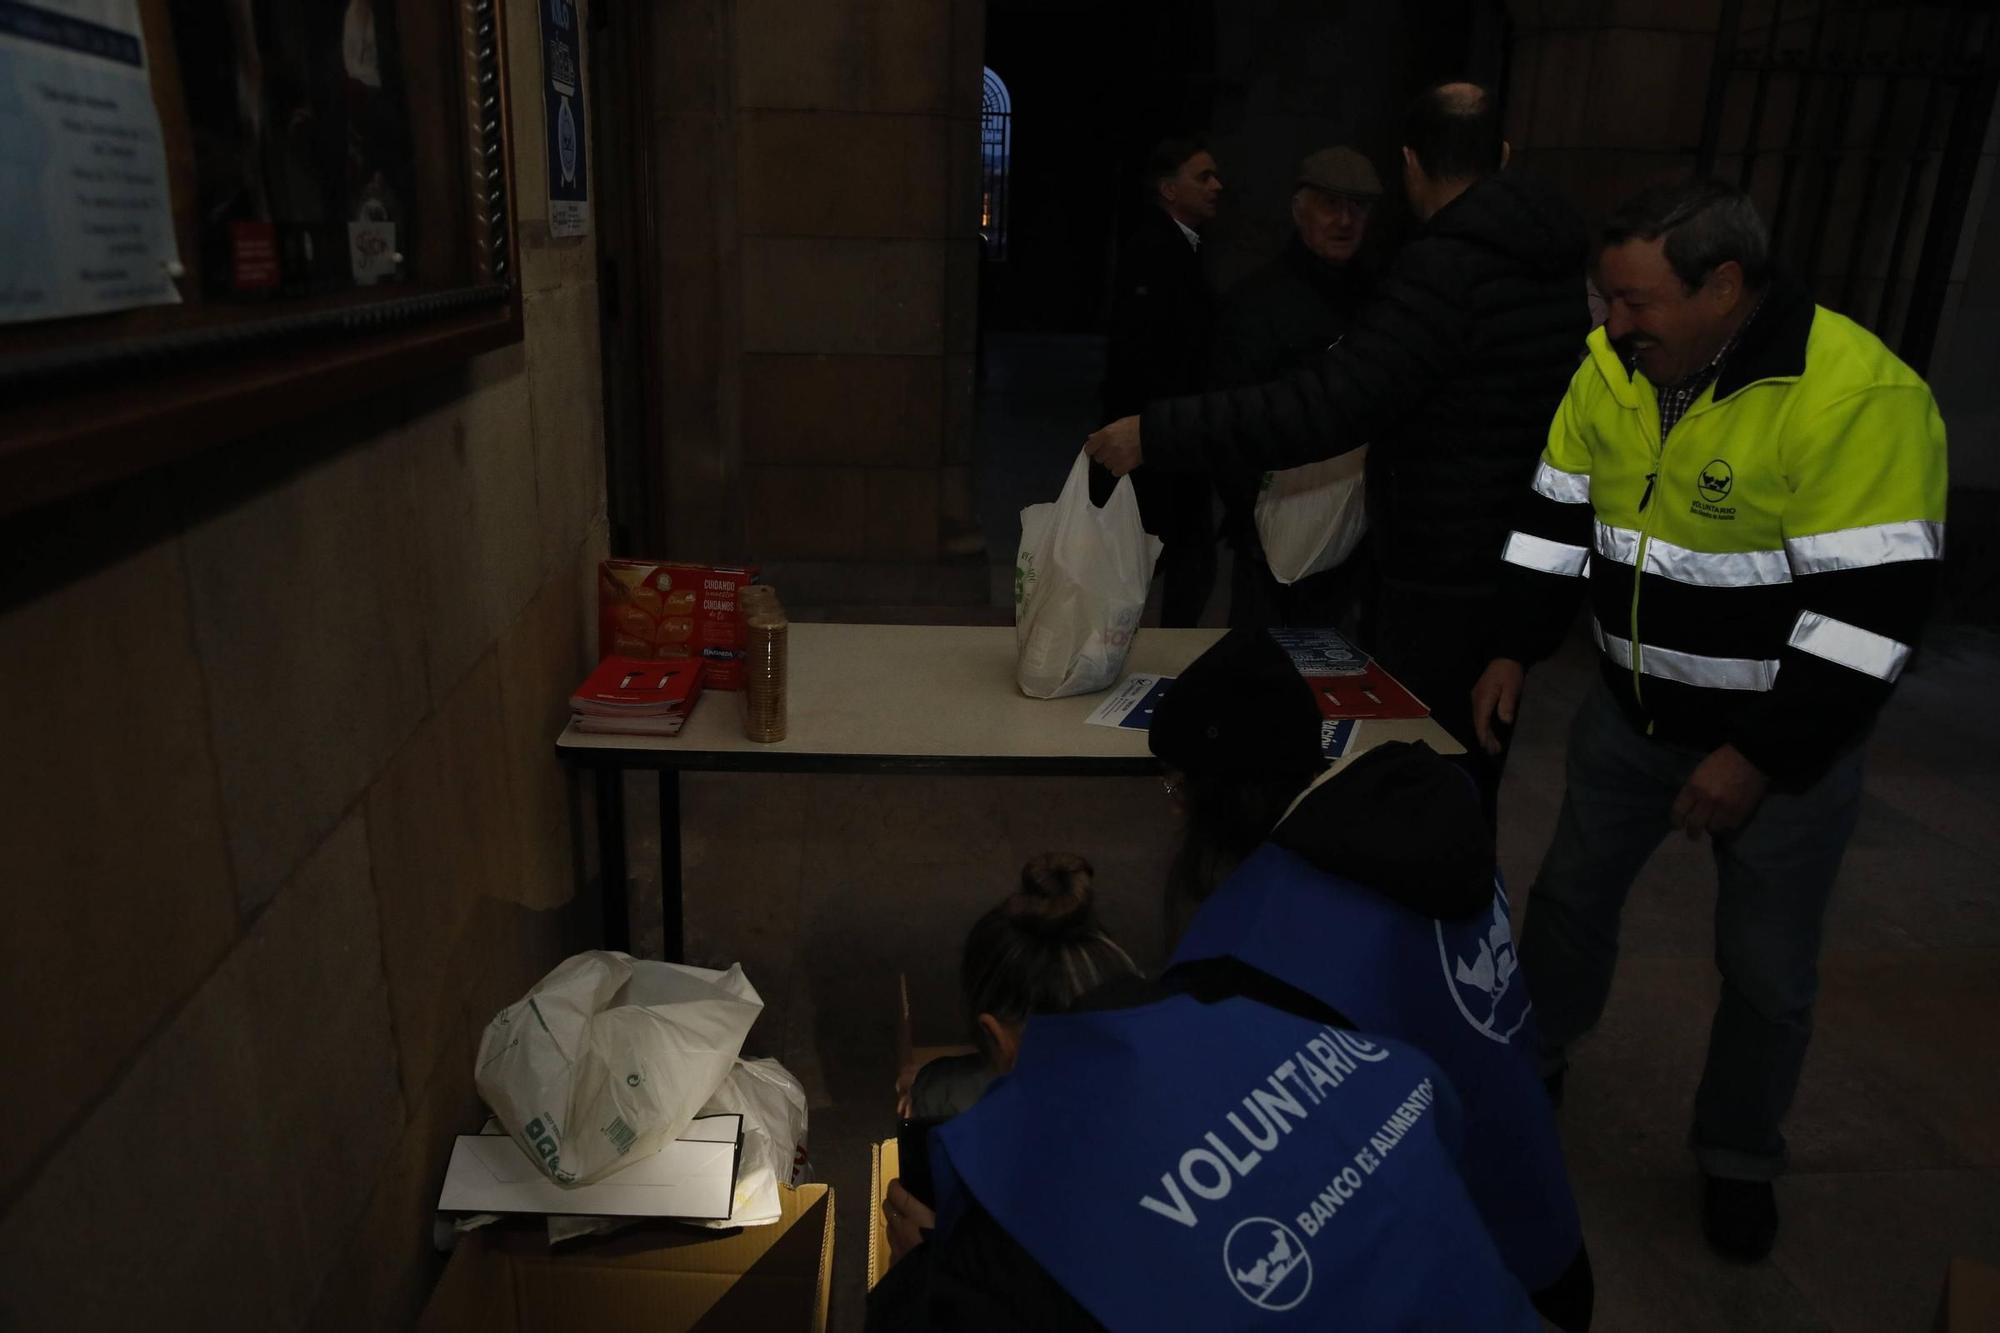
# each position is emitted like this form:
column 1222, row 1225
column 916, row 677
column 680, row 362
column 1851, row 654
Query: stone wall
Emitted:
column 819, row 201
column 280, row 827
column 1604, row 99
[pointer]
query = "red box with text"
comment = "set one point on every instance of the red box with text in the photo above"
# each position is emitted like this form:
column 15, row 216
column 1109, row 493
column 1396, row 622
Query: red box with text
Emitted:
column 655, row 609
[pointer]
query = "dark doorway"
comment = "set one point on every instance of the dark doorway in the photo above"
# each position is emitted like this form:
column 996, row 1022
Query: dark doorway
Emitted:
column 1092, row 85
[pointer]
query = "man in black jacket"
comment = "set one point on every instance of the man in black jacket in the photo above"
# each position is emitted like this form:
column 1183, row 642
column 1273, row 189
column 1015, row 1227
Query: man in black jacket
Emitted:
column 1277, row 321
column 1452, row 376
column 1161, row 314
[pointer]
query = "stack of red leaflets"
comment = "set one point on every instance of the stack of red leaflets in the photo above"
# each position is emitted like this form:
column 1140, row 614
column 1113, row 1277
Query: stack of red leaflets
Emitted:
column 634, row 697
column 1372, row 693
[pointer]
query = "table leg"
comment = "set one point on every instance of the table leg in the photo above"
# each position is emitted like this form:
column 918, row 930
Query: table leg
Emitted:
column 673, row 940
column 611, row 858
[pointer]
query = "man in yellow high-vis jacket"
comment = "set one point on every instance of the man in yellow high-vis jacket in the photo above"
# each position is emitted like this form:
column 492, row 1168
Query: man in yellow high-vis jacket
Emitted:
column 1751, row 489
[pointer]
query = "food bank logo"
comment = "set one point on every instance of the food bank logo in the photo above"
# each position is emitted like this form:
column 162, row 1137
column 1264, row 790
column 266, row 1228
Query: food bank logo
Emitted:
column 1481, row 968
column 1716, row 480
column 1266, row 1263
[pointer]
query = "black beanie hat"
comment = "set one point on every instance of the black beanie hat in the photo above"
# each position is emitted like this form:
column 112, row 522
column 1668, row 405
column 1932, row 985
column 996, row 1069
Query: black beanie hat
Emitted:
column 1241, row 709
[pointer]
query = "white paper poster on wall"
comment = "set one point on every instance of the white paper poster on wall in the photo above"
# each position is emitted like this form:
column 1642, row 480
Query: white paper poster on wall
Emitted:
column 88, row 222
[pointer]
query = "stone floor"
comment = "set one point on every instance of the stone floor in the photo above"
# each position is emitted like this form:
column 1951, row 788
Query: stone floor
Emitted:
column 826, row 888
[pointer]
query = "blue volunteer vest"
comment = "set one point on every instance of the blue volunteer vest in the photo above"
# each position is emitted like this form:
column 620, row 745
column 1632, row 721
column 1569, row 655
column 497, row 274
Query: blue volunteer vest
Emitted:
column 1452, row 989
column 1229, row 1165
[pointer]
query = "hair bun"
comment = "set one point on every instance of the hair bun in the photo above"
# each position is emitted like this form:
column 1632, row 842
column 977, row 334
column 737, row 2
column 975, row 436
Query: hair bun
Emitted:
column 1054, row 897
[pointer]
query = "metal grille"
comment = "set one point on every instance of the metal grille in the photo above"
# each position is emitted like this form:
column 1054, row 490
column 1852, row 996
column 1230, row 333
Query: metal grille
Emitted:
column 1857, row 127
column 996, row 146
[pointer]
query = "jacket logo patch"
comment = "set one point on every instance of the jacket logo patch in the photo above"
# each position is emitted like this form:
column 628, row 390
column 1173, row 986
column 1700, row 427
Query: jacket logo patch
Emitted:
column 1716, row 479
column 1480, row 967
column 1268, row 1264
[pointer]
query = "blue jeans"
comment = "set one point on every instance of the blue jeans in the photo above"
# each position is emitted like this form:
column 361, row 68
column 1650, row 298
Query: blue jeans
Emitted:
column 1774, row 877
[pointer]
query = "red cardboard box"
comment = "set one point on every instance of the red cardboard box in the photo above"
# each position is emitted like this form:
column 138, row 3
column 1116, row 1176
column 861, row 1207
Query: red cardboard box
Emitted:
column 655, row 609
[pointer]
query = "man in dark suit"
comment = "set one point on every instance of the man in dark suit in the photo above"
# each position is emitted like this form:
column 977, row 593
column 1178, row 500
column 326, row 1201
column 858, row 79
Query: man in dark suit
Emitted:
column 1161, row 315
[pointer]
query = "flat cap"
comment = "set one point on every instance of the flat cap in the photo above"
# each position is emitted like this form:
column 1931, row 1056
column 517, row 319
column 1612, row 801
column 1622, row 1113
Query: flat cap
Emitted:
column 1340, row 171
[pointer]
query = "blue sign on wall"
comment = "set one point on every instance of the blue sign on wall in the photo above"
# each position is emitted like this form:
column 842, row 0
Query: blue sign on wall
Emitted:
column 563, row 109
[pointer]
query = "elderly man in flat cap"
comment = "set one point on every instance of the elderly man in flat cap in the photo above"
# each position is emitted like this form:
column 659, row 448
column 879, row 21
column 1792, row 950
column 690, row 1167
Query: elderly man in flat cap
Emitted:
column 1278, row 321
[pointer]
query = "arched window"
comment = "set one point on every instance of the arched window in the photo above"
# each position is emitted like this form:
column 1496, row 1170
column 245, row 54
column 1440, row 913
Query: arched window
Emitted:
column 996, row 112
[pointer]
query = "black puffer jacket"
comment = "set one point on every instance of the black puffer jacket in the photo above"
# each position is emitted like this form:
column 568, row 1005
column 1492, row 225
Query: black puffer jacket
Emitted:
column 1453, row 374
column 1278, row 321
column 1284, row 314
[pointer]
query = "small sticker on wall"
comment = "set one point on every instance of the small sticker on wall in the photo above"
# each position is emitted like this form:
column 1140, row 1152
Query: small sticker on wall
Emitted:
column 372, row 248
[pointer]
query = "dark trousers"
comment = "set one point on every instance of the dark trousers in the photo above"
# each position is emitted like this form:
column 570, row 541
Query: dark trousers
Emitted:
column 1179, row 509
column 1434, row 640
column 1774, row 876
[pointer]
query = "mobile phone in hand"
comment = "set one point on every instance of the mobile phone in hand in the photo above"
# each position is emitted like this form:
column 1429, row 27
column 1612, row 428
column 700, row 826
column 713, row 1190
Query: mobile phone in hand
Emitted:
column 913, row 1150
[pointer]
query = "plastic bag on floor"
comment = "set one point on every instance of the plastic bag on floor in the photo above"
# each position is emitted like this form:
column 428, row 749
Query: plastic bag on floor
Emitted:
column 608, row 1057
column 1079, row 587
column 773, row 1106
column 1311, row 518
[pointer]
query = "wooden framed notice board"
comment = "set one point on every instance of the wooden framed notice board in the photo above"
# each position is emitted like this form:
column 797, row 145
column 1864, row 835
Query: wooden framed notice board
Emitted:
column 230, row 213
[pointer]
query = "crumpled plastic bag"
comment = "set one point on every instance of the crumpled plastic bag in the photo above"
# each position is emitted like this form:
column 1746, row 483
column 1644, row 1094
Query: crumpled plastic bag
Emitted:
column 609, row 1057
column 773, row 1106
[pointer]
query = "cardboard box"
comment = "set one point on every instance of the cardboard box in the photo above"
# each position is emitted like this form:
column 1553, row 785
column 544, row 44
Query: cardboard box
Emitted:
column 656, row 609
column 885, row 1158
column 884, row 1164
column 651, row 1279
column 1971, row 1300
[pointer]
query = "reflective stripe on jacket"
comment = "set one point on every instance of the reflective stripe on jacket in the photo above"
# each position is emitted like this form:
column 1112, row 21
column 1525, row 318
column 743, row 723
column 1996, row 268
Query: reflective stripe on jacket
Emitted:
column 1761, row 577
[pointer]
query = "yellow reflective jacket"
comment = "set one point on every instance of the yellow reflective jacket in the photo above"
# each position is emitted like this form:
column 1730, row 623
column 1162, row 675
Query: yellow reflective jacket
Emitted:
column 1761, row 576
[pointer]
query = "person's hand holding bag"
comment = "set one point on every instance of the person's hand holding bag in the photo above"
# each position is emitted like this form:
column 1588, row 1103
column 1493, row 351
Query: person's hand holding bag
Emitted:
column 1079, row 587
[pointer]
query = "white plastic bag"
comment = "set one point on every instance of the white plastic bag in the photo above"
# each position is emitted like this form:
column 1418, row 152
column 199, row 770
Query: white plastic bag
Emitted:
column 609, row 1057
column 1311, row 518
column 773, row 1106
column 1079, row 587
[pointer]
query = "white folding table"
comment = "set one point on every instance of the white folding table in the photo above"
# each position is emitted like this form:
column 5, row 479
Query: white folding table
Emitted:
column 928, row 699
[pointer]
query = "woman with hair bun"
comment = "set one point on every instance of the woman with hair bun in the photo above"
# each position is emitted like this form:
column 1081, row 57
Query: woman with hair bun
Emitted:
column 1036, row 952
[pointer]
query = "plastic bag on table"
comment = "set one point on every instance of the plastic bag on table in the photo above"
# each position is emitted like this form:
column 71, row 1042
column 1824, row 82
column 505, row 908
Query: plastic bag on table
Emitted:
column 608, row 1057
column 1079, row 587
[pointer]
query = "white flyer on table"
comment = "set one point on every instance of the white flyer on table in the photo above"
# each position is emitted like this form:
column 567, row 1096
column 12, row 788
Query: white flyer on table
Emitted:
column 1131, row 704
column 88, row 224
